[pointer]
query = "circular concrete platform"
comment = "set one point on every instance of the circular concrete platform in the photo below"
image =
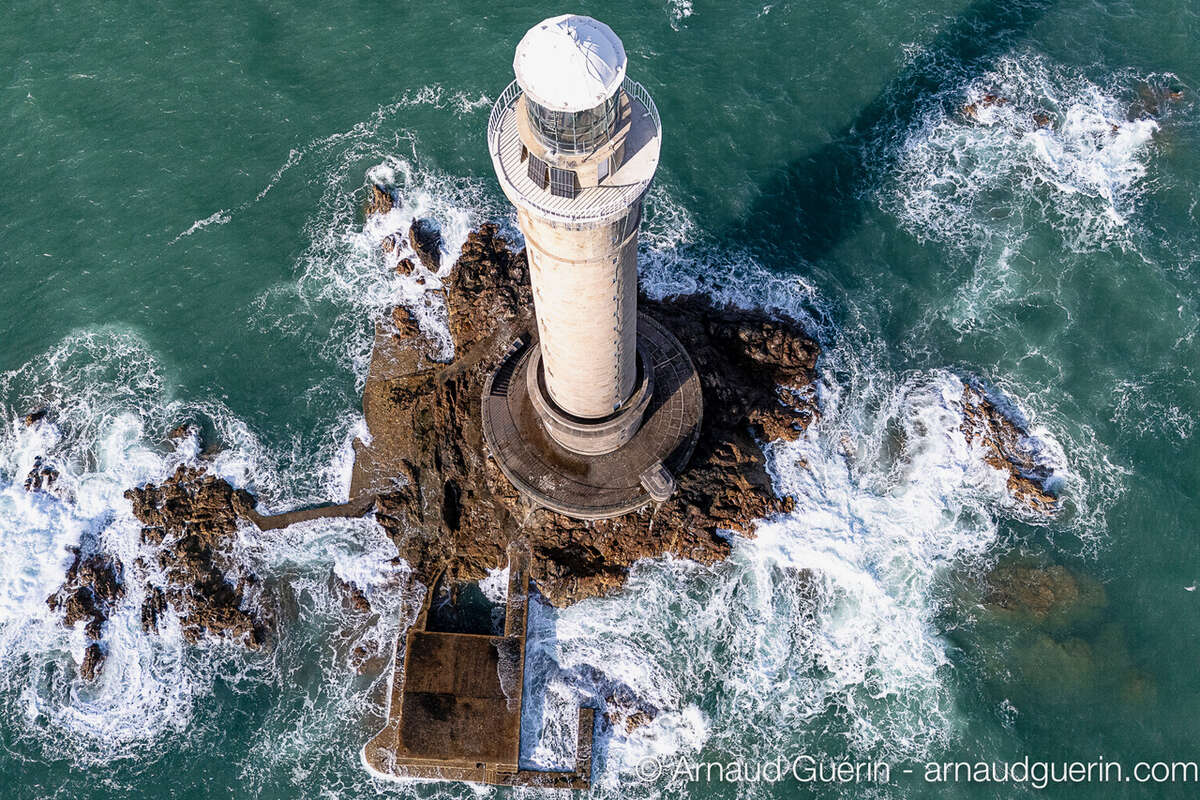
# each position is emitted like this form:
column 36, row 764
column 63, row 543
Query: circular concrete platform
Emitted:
column 594, row 486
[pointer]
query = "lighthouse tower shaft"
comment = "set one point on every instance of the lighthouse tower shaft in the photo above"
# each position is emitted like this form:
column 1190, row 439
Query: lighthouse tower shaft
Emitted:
column 584, row 280
column 575, row 144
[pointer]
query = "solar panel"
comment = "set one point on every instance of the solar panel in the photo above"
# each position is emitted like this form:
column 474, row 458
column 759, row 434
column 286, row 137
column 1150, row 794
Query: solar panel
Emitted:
column 562, row 182
column 537, row 171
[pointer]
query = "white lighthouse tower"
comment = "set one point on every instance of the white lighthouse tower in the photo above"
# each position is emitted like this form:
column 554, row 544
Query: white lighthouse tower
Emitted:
column 575, row 144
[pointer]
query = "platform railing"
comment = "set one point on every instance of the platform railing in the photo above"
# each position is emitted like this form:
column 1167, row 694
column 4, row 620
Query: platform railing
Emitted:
column 616, row 197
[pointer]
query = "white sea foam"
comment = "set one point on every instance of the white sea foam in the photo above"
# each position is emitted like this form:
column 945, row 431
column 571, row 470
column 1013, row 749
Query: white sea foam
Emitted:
column 977, row 167
column 109, row 411
column 216, row 218
column 818, row 633
column 345, row 264
column 678, row 11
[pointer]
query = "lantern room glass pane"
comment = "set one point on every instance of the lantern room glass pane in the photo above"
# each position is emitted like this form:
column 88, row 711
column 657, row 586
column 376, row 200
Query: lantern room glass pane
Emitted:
column 573, row 131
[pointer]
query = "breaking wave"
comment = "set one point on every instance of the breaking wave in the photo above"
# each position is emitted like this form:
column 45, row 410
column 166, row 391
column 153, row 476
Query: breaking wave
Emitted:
column 109, row 410
column 1028, row 142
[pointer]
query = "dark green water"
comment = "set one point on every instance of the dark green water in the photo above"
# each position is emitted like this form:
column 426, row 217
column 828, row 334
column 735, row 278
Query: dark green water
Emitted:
column 180, row 238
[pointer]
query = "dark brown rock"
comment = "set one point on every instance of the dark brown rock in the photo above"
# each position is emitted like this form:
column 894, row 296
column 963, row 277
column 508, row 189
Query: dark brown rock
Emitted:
column 426, row 241
column 36, row 416
column 1007, row 447
column 192, row 517
column 406, row 323
column 379, row 201
column 92, row 586
column 405, row 266
column 352, row 597
column 154, row 607
column 41, row 478
column 93, row 661
column 91, row 589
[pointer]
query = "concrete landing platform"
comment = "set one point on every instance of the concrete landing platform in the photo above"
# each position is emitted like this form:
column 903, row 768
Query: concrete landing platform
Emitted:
column 455, row 705
column 595, row 486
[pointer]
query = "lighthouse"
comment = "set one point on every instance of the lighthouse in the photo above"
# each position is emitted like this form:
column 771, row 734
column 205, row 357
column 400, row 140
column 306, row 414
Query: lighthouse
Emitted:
column 595, row 413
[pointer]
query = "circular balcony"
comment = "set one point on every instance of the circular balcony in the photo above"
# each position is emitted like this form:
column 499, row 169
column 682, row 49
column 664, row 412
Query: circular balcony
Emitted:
column 618, row 191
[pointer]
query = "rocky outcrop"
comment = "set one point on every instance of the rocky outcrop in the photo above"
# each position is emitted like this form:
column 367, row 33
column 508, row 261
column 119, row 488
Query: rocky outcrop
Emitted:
column 93, row 661
column 190, row 521
column 1008, row 447
column 92, row 588
column 426, row 242
column 450, row 508
column 41, row 478
column 379, row 201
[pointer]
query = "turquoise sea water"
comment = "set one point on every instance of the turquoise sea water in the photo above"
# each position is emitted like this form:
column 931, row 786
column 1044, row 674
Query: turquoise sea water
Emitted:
column 180, row 238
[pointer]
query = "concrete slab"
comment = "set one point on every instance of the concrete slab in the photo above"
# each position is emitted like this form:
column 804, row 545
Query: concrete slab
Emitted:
column 455, row 710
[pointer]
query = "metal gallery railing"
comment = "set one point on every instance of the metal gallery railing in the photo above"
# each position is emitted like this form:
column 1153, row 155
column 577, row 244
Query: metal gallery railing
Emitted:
column 615, row 198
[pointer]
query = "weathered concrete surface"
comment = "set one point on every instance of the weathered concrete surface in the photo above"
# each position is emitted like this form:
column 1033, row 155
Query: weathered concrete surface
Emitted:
column 455, row 704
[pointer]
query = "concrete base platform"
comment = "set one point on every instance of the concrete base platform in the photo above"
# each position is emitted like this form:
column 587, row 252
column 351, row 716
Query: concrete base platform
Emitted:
column 455, row 706
column 595, row 486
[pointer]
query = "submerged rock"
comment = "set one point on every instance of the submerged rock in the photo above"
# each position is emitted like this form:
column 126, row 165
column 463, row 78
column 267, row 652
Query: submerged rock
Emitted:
column 1046, row 595
column 447, row 505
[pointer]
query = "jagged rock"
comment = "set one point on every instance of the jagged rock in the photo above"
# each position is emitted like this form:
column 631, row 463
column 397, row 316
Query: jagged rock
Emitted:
column 91, row 587
column 379, row 201
column 426, row 241
column 406, row 324
column 153, row 609
column 90, row 590
column 36, row 416
column 353, row 597
column 405, row 266
column 192, row 517
column 453, row 509
column 93, row 661
column 625, row 713
column 1007, row 447
column 41, row 478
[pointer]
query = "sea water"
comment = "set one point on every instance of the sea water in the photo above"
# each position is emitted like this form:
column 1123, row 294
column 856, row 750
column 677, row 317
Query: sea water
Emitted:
column 182, row 241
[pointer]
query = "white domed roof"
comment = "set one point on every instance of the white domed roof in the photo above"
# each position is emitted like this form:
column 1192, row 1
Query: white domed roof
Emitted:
column 570, row 63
